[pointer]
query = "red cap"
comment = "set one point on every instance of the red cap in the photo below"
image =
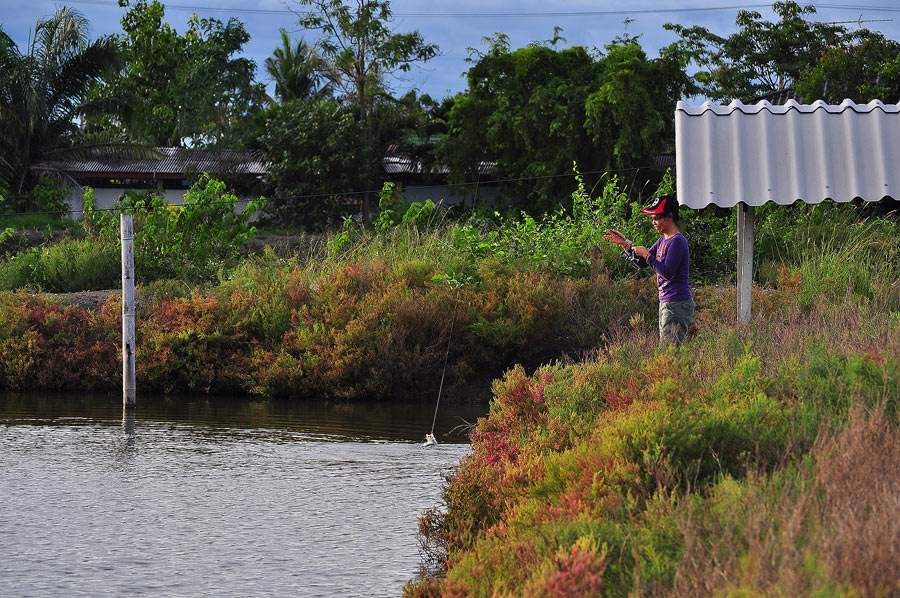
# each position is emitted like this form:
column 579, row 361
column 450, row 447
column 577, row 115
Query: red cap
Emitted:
column 660, row 205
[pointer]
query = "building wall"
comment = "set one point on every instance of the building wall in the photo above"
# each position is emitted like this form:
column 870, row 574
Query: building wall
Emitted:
column 107, row 198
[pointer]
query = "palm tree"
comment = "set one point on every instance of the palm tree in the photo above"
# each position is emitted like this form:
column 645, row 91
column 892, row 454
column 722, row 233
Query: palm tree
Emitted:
column 297, row 71
column 45, row 92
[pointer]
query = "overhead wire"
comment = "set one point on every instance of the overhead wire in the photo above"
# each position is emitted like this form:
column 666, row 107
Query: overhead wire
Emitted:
column 517, row 180
column 536, row 14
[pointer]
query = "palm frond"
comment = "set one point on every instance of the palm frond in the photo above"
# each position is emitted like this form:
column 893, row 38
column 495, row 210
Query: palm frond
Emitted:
column 104, row 145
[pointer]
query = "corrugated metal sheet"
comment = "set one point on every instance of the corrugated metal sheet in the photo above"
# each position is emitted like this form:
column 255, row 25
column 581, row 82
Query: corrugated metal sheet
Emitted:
column 401, row 163
column 173, row 161
column 794, row 152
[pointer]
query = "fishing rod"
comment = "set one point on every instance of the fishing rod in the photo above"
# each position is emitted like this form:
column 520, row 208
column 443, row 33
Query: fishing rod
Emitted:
column 627, row 254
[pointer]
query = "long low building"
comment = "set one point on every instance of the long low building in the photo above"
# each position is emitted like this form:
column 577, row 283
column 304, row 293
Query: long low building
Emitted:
column 171, row 174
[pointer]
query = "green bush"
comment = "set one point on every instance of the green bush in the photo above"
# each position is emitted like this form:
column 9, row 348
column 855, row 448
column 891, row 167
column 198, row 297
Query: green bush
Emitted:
column 70, row 265
column 558, row 242
column 47, row 195
column 193, row 242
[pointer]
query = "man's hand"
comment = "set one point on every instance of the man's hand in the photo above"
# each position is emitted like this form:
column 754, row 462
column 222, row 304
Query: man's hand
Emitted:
column 614, row 236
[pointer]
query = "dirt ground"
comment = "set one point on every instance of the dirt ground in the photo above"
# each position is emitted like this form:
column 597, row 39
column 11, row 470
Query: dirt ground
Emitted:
column 89, row 300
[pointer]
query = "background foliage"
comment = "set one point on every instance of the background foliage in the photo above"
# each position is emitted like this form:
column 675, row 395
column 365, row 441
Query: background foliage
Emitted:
column 315, row 150
column 186, row 89
column 534, row 110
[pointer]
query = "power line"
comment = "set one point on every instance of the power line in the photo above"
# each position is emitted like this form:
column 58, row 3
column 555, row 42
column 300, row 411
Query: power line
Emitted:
column 480, row 15
column 353, row 193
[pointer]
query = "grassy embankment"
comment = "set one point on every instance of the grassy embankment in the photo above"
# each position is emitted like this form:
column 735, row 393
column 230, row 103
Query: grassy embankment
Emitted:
column 754, row 461
column 370, row 319
column 757, row 461
column 364, row 315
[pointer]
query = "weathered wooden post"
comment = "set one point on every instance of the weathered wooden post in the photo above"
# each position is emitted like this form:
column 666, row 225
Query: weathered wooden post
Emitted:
column 745, row 237
column 126, row 227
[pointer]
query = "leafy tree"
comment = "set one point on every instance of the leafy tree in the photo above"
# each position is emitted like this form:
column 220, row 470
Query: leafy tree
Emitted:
column 187, row 89
column 631, row 111
column 313, row 148
column 763, row 56
column 863, row 72
column 537, row 109
column 524, row 109
column 297, row 71
column 364, row 51
column 44, row 92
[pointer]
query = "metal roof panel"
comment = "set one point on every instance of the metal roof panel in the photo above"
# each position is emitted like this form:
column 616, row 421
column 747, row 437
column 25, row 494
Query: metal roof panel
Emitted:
column 786, row 153
column 173, row 161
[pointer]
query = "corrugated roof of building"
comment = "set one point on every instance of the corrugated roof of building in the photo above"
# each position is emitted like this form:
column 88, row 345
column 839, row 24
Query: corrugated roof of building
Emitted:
column 174, row 162
column 794, row 152
column 402, row 163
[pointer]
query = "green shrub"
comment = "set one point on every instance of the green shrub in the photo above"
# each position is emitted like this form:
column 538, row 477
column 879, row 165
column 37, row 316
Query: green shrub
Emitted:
column 47, row 195
column 70, row 265
column 557, row 242
column 192, row 242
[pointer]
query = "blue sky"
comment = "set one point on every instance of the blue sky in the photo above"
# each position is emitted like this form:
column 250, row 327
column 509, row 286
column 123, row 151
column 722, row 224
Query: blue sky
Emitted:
column 455, row 32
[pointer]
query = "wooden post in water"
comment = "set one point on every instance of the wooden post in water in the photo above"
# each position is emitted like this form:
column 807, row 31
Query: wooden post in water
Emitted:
column 745, row 237
column 128, row 365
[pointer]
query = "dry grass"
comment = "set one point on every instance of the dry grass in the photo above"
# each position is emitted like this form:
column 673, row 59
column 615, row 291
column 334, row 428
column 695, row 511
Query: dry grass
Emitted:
column 859, row 534
column 830, row 527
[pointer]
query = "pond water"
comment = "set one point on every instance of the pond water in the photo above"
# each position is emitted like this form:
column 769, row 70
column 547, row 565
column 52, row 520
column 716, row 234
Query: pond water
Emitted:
column 192, row 498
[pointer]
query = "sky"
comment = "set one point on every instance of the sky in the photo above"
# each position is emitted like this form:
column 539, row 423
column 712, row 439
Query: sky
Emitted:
column 457, row 25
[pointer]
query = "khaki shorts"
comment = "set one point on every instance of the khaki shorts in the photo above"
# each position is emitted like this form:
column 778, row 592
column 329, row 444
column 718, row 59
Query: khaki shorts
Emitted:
column 674, row 319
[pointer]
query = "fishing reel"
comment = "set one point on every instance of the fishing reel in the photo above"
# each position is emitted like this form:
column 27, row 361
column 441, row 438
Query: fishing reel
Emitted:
column 631, row 257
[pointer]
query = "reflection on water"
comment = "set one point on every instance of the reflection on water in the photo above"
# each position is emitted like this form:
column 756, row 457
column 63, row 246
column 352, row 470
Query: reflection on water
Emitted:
column 190, row 498
column 338, row 420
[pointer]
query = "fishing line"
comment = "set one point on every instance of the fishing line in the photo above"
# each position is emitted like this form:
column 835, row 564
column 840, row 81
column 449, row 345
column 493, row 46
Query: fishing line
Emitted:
column 429, row 438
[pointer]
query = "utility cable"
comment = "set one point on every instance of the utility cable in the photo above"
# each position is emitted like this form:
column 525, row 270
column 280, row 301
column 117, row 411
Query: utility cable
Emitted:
column 494, row 15
column 346, row 193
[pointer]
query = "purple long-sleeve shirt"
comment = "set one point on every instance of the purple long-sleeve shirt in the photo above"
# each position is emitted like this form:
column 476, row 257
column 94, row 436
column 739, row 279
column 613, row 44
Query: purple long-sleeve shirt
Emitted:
column 670, row 259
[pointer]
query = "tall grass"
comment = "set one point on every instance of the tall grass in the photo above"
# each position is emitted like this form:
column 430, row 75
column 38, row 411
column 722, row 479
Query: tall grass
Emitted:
column 38, row 222
column 753, row 461
column 70, row 265
column 798, row 237
column 827, row 526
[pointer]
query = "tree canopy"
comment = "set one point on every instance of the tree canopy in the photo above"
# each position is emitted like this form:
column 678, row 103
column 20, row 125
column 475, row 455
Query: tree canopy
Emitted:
column 44, row 94
column 526, row 115
column 298, row 71
column 863, row 72
column 763, row 56
column 185, row 90
column 537, row 109
column 314, row 151
column 364, row 52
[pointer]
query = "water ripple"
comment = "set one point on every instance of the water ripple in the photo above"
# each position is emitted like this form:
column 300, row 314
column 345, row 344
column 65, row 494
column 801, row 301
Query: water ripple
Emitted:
column 92, row 507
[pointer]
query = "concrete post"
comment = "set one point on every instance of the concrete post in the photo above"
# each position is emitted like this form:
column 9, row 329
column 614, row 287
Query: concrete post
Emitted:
column 128, row 361
column 745, row 237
